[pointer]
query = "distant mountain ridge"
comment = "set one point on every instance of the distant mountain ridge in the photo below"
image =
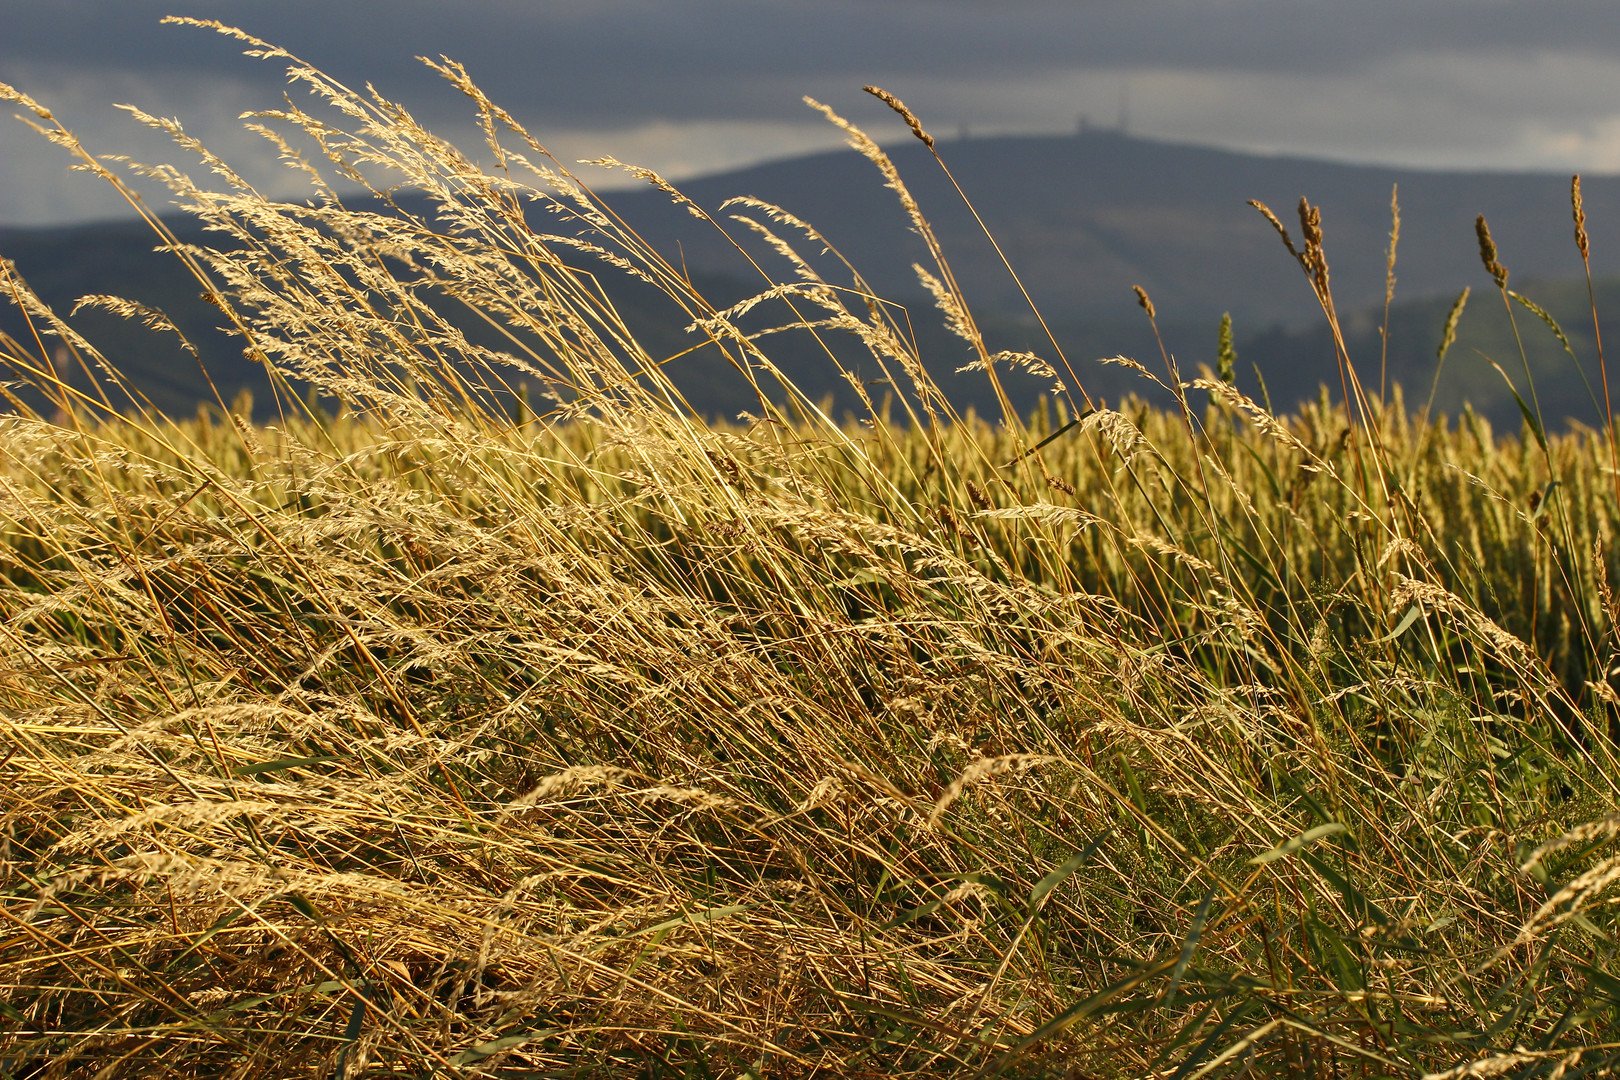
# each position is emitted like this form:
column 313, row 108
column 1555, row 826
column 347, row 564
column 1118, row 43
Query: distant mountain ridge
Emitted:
column 1081, row 219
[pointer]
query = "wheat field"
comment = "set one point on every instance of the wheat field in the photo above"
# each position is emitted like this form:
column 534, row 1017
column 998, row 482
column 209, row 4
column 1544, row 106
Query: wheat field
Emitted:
column 494, row 713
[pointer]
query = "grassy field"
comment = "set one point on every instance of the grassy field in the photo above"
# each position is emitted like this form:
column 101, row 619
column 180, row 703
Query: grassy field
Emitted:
column 474, row 730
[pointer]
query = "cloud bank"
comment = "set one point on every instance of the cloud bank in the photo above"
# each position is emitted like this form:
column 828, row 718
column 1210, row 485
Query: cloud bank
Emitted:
column 705, row 85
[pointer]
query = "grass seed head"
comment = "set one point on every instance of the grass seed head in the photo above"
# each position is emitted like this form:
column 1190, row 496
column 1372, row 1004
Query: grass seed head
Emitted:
column 1394, row 243
column 1314, row 258
column 1225, row 351
column 1487, row 253
column 1579, row 212
column 1282, row 230
column 1143, row 300
column 905, row 114
column 1449, row 334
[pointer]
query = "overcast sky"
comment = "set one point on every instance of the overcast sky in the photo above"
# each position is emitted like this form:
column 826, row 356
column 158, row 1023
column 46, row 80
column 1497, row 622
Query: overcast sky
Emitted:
column 693, row 86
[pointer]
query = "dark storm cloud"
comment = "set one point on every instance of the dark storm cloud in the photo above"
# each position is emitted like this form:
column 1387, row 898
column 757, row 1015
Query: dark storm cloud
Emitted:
column 684, row 85
column 627, row 61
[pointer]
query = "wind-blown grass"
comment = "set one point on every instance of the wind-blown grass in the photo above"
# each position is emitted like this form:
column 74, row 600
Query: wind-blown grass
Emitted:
column 450, row 734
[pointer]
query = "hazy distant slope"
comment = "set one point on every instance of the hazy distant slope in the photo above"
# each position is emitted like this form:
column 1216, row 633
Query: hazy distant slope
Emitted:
column 1084, row 218
column 64, row 263
column 1568, row 388
column 1081, row 218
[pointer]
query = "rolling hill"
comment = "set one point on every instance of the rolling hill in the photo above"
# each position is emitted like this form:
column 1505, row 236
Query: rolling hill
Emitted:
column 1082, row 219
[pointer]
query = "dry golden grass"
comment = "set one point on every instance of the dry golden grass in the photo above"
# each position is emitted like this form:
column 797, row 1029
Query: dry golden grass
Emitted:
column 443, row 736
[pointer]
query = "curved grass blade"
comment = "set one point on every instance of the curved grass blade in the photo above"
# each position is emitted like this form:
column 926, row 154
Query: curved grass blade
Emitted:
column 1303, row 840
column 1189, row 946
